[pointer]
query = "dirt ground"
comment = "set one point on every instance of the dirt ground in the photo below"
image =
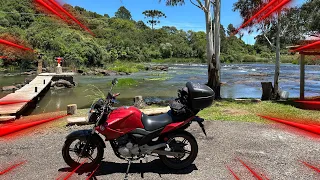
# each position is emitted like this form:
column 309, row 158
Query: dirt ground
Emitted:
column 270, row 150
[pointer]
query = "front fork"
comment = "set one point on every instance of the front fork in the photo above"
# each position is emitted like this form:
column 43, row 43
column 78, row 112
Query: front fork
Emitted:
column 87, row 142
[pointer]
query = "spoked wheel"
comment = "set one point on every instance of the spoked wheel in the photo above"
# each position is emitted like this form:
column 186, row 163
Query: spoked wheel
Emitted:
column 78, row 150
column 186, row 145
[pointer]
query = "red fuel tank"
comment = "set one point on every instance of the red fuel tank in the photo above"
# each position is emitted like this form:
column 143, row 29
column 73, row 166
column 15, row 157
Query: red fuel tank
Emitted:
column 121, row 121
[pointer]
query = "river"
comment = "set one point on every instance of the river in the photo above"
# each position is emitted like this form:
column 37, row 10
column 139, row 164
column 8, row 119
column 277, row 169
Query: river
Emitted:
column 240, row 81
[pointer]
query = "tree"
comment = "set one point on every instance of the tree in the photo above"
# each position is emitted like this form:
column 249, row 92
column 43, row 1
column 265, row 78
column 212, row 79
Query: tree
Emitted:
column 230, row 29
column 123, row 13
column 153, row 14
column 213, row 53
column 247, row 9
column 309, row 13
column 141, row 25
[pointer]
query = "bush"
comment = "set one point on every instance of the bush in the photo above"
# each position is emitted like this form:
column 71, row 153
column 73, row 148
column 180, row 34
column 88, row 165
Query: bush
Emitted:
column 287, row 59
column 265, row 55
column 126, row 67
column 249, row 58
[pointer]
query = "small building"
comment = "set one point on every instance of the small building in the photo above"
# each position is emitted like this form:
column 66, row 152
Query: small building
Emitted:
column 310, row 46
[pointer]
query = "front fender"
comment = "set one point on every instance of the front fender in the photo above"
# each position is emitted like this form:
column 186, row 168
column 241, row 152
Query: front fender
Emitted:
column 85, row 133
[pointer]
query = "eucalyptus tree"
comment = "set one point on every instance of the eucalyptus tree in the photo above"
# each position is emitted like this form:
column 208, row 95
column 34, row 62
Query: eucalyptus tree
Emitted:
column 213, row 50
column 276, row 25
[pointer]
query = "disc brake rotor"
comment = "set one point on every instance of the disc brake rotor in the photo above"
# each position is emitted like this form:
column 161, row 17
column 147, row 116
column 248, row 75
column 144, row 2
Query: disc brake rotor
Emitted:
column 178, row 146
column 79, row 147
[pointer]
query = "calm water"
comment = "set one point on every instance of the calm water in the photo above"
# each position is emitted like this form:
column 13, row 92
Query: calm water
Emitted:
column 237, row 77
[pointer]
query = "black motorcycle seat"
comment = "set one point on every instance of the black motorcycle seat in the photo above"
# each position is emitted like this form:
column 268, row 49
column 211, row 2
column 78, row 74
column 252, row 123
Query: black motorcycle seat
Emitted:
column 152, row 123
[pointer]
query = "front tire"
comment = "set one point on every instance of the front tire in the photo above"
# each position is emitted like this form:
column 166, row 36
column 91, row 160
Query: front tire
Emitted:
column 176, row 146
column 87, row 154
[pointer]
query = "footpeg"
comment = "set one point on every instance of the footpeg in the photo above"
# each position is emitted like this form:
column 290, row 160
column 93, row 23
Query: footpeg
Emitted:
column 167, row 148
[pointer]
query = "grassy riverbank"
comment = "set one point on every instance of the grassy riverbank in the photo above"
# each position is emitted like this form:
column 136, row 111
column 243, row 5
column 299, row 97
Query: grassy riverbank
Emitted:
column 230, row 110
column 133, row 67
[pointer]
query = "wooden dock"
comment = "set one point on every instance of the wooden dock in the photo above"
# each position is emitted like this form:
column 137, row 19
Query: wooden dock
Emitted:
column 24, row 95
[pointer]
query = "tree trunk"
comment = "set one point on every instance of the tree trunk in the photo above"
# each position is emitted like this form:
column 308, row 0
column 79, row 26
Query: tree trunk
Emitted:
column 152, row 23
column 217, row 40
column 277, row 64
column 212, row 73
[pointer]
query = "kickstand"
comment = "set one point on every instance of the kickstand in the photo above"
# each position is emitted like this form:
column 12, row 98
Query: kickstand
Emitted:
column 142, row 176
column 128, row 168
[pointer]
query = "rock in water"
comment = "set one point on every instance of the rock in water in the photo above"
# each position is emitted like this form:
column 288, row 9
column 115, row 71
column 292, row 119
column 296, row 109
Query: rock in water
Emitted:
column 72, row 109
column 62, row 83
column 139, row 102
column 80, row 71
column 9, row 88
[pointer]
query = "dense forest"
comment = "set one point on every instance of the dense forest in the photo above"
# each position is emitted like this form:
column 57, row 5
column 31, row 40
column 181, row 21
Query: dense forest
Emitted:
column 117, row 38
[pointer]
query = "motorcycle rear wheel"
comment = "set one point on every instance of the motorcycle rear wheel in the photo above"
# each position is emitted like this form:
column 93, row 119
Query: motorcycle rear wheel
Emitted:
column 177, row 162
column 90, row 162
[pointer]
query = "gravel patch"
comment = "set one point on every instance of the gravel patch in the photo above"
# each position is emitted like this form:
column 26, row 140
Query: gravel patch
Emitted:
column 268, row 149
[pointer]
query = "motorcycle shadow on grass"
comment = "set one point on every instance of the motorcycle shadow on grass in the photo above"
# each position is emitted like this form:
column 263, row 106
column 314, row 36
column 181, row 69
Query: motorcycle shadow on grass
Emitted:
column 154, row 166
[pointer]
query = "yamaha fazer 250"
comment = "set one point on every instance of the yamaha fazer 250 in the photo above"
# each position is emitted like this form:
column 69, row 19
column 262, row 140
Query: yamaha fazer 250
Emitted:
column 134, row 135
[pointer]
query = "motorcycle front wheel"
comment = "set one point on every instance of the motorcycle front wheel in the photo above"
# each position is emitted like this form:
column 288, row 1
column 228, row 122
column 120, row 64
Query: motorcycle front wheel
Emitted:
column 81, row 150
column 182, row 142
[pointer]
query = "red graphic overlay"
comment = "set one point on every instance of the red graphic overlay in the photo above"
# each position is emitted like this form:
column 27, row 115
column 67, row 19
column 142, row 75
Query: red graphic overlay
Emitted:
column 11, row 167
column 234, row 174
column 8, row 43
column 72, row 172
column 54, row 7
column 13, row 102
column 255, row 174
column 89, row 177
column 311, row 46
column 312, row 167
column 314, row 128
column 18, row 126
column 41, row 2
column 70, row 16
column 267, row 10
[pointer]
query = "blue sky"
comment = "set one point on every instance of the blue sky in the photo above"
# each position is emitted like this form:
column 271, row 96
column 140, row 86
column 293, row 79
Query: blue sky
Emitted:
column 187, row 17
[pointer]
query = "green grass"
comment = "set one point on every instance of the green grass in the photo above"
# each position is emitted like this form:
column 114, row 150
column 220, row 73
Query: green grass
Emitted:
column 94, row 93
column 158, row 79
column 127, row 82
column 179, row 60
column 126, row 66
column 230, row 110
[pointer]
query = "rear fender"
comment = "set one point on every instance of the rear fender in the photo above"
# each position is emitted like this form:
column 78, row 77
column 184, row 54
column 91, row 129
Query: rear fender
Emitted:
column 85, row 134
column 175, row 125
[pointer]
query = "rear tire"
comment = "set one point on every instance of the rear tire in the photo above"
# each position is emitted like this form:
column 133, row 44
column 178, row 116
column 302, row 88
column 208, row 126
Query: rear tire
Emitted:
column 90, row 163
column 174, row 163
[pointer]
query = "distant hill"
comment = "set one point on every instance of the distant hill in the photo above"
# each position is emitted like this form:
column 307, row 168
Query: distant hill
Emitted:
column 115, row 38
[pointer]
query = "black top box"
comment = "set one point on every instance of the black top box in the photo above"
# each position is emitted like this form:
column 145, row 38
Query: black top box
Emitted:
column 200, row 96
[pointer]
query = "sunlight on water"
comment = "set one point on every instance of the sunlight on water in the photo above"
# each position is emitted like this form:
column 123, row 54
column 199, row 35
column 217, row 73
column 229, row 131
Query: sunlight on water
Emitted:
column 242, row 80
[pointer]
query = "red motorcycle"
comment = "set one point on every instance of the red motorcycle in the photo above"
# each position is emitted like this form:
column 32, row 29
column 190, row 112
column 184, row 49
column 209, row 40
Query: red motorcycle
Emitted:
column 134, row 135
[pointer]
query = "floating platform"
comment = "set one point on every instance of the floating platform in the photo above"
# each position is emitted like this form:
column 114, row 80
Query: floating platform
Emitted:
column 19, row 100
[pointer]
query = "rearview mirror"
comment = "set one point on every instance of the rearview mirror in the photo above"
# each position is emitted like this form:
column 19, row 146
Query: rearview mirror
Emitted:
column 114, row 81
